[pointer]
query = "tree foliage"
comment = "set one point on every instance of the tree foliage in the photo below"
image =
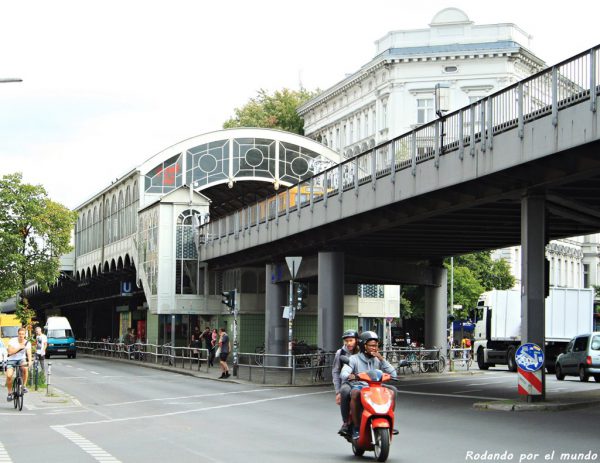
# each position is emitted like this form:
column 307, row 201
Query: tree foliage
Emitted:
column 34, row 232
column 474, row 274
column 273, row 111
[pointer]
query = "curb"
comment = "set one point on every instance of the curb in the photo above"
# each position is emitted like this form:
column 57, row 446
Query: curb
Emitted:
column 515, row 406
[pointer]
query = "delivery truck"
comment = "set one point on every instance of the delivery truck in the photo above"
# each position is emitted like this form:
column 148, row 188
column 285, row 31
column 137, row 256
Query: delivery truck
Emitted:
column 497, row 335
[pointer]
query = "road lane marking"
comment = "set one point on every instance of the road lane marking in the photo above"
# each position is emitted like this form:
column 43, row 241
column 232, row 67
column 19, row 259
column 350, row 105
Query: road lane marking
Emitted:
column 216, row 394
column 4, row 456
column 469, row 390
column 94, row 372
column 87, row 446
column 196, row 410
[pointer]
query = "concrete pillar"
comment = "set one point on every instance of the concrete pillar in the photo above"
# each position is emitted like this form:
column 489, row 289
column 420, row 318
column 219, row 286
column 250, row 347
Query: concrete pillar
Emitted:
column 533, row 254
column 436, row 310
column 276, row 327
column 330, row 323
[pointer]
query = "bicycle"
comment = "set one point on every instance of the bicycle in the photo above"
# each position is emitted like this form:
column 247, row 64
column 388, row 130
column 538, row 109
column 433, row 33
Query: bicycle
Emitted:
column 17, row 388
column 409, row 360
column 259, row 355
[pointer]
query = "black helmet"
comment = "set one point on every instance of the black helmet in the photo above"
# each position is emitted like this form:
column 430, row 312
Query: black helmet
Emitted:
column 350, row 334
column 366, row 337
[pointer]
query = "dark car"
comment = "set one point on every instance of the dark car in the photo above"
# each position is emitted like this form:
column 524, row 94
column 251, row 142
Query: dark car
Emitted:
column 581, row 358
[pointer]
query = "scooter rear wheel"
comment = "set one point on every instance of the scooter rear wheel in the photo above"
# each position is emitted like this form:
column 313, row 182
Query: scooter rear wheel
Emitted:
column 382, row 443
column 357, row 450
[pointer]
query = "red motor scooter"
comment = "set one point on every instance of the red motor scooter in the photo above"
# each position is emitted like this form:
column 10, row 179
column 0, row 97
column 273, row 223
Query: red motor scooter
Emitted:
column 377, row 419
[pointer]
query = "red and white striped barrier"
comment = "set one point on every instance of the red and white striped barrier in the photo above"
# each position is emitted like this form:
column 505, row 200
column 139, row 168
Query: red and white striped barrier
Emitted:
column 530, row 382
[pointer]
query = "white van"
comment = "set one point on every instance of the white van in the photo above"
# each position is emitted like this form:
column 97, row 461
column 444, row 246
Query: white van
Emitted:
column 61, row 339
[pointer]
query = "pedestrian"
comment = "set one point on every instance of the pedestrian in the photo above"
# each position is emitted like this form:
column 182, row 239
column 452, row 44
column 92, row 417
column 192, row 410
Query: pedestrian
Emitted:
column 195, row 345
column 41, row 342
column 224, row 348
column 206, row 337
column 213, row 347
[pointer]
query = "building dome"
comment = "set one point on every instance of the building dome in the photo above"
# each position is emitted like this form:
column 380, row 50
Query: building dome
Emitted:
column 450, row 16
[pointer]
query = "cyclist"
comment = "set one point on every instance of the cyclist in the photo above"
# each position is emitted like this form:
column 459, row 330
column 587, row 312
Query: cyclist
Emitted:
column 342, row 389
column 18, row 349
column 368, row 359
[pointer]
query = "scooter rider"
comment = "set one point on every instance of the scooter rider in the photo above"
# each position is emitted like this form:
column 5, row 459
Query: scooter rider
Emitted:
column 342, row 389
column 369, row 358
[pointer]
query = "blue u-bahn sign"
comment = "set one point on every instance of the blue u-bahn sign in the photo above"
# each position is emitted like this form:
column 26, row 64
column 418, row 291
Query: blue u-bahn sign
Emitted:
column 529, row 357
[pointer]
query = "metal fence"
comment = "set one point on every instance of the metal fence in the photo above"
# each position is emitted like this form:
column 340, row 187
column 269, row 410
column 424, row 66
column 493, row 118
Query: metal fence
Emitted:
column 300, row 369
column 186, row 358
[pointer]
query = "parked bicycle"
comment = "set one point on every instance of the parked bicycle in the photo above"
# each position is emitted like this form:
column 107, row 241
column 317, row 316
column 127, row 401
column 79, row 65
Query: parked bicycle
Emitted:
column 259, row 355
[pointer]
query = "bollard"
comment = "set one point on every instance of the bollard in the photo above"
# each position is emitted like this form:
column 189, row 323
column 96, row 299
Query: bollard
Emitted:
column 48, row 378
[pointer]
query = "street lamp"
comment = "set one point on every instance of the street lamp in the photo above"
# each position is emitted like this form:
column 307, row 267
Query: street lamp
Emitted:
column 442, row 99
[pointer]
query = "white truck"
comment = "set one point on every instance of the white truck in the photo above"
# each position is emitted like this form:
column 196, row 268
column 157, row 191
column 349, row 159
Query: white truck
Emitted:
column 497, row 335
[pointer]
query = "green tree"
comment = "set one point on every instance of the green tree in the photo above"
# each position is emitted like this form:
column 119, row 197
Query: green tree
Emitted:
column 273, row 111
column 467, row 289
column 474, row 274
column 34, row 232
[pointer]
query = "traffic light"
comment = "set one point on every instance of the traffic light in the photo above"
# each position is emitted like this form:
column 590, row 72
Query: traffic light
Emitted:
column 301, row 295
column 228, row 299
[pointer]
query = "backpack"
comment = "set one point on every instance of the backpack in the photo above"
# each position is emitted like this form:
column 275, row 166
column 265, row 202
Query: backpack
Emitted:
column 468, row 343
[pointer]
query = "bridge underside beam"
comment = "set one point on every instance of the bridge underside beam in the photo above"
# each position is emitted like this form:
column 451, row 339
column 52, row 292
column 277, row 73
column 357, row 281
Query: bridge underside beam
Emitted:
column 359, row 270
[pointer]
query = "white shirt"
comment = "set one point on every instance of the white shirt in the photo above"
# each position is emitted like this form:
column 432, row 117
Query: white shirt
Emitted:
column 14, row 342
column 41, row 343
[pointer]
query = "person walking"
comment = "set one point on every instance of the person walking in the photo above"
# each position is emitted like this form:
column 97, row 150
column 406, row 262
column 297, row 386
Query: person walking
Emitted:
column 224, row 348
column 206, row 338
column 41, row 342
column 213, row 347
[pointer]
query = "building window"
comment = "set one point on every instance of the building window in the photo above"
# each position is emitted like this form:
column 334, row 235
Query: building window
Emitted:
column 586, row 275
column 384, row 123
column 424, row 110
column 186, row 271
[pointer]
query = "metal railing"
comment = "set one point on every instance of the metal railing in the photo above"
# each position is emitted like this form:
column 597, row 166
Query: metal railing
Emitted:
column 177, row 357
column 547, row 92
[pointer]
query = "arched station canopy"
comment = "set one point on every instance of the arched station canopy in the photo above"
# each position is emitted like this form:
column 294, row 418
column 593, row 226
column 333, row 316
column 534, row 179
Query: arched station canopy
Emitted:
column 235, row 167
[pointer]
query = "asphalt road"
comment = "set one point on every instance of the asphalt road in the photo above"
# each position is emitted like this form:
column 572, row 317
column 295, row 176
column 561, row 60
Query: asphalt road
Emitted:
column 128, row 413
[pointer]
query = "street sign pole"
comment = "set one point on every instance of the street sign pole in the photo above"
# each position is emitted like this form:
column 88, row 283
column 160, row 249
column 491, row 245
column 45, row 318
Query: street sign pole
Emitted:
column 235, row 333
column 293, row 264
column 291, row 314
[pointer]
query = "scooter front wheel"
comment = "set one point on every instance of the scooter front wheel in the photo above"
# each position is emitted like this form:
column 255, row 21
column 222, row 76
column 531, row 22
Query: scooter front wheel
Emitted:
column 357, row 450
column 382, row 443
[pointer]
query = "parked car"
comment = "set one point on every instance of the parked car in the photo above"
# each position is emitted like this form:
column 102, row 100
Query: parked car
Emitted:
column 581, row 358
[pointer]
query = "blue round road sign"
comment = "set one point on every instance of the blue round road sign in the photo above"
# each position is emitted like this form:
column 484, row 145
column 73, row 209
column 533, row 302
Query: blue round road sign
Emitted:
column 529, row 357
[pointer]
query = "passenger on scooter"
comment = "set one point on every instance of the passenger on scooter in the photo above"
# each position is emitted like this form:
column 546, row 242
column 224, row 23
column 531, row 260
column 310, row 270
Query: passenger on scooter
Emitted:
column 369, row 358
column 342, row 389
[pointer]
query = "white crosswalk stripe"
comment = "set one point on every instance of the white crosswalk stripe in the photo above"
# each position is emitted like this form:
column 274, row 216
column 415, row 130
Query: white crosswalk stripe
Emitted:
column 4, row 456
column 89, row 447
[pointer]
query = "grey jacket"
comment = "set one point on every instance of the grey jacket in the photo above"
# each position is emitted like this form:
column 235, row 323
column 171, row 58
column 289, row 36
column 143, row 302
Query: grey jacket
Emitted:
column 337, row 368
column 360, row 363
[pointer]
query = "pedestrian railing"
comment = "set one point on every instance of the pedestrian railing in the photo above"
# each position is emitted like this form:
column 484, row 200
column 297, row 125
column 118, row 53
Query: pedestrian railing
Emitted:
column 416, row 359
column 280, row 368
column 187, row 358
column 462, row 357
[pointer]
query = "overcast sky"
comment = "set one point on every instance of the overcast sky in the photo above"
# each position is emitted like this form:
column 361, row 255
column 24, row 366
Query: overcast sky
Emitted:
column 107, row 84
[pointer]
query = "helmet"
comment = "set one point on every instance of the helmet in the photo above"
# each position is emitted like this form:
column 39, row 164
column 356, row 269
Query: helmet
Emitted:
column 350, row 334
column 366, row 337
